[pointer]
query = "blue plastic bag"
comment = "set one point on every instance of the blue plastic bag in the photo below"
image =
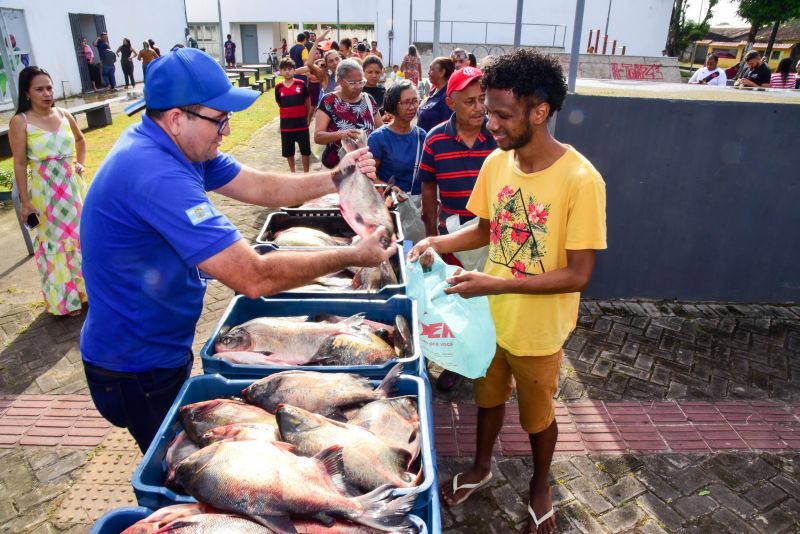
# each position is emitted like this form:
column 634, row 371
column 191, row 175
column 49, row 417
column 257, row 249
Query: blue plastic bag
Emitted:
column 455, row 332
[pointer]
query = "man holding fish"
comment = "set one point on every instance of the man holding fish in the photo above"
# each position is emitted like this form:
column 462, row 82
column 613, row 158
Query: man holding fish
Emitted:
column 149, row 234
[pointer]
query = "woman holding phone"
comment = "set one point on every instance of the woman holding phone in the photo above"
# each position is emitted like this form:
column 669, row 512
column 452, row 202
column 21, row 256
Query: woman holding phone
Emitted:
column 47, row 140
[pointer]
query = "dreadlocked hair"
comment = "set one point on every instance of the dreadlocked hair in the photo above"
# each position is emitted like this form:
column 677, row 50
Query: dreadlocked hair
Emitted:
column 531, row 76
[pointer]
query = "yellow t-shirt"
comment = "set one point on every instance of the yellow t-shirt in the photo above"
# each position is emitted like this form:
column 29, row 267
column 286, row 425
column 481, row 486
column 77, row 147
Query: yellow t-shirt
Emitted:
column 534, row 219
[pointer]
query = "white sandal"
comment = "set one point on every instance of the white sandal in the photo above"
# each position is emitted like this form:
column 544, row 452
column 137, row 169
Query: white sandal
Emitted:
column 545, row 517
column 471, row 487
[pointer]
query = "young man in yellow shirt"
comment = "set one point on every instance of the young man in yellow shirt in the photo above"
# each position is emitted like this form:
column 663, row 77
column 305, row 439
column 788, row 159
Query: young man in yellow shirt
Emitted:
column 541, row 206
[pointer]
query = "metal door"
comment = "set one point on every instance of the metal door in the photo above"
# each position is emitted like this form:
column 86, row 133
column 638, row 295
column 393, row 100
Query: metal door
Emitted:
column 249, row 43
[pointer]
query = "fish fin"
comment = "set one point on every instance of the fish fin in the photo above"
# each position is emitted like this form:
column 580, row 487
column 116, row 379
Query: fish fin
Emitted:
column 340, row 174
column 389, row 185
column 333, row 461
column 389, row 384
column 354, row 321
column 282, row 445
column 278, row 524
column 325, row 519
column 383, row 512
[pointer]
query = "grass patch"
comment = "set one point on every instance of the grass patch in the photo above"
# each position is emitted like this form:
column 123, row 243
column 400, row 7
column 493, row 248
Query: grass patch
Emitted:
column 100, row 140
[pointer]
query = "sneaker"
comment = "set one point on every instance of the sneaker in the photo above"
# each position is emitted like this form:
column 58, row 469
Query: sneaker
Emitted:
column 448, row 381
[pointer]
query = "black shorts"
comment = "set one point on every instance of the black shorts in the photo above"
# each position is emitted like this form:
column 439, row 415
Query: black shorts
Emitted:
column 288, row 140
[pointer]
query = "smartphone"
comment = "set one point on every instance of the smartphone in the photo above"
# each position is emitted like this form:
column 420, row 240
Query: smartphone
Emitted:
column 32, row 221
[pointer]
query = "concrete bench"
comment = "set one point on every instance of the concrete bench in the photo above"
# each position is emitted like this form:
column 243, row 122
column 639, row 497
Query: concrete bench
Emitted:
column 5, row 145
column 97, row 113
column 258, row 85
column 270, row 79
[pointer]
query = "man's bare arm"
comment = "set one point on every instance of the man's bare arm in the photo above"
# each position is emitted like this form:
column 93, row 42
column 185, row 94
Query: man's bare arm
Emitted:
column 243, row 270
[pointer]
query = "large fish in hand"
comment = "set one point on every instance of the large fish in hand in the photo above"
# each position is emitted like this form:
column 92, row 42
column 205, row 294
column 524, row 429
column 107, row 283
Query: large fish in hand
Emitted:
column 362, row 206
column 267, row 481
column 369, row 463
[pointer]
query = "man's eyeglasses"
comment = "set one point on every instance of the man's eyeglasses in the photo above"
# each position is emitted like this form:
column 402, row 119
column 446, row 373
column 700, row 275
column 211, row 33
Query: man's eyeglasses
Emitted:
column 221, row 123
column 356, row 83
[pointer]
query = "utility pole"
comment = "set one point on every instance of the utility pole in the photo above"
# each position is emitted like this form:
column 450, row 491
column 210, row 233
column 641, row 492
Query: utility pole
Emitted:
column 221, row 46
column 608, row 15
column 576, row 44
column 518, row 24
column 437, row 20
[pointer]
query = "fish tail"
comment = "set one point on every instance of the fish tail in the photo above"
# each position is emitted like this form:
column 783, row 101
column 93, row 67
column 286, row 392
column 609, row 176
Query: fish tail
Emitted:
column 382, row 512
column 389, row 384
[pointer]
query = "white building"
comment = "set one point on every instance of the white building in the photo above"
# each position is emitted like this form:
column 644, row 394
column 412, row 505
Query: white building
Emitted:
column 257, row 26
column 46, row 33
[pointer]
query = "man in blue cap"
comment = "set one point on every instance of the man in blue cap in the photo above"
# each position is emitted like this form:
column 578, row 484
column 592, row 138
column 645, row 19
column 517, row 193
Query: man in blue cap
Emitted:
column 149, row 230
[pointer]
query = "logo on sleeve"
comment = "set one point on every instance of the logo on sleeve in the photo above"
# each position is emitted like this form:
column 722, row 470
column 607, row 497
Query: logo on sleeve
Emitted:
column 201, row 212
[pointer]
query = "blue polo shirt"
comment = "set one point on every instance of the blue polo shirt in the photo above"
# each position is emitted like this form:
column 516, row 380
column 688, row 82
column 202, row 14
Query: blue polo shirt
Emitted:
column 454, row 167
column 398, row 156
column 146, row 224
column 434, row 110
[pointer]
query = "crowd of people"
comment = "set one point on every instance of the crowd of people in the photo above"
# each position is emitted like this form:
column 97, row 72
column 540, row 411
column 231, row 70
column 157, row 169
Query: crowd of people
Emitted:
column 484, row 178
column 102, row 66
column 756, row 73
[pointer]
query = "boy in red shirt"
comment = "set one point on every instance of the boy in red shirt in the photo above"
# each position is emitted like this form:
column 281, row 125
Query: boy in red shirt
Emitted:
column 295, row 105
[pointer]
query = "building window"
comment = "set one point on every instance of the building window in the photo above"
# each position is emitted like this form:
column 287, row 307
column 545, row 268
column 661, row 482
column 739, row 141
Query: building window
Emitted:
column 207, row 36
column 776, row 55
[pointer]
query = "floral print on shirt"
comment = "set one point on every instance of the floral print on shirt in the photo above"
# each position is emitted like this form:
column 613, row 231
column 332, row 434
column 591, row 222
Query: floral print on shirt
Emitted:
column 516, row 232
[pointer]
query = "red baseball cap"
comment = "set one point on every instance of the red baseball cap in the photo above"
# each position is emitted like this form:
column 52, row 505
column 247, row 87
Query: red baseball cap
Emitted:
column 462, row 78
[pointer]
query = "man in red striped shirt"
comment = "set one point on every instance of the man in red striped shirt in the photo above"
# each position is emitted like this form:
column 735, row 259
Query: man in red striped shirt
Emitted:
column 451, row 159
column 294, row 103
column 453, row 154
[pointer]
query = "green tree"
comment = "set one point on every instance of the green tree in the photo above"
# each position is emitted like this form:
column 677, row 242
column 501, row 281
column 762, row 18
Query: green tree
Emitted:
column 684, row 32
column 760, row 13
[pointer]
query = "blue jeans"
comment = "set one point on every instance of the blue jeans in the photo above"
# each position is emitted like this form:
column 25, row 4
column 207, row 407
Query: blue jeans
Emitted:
column 136, row 401
column 109, row 75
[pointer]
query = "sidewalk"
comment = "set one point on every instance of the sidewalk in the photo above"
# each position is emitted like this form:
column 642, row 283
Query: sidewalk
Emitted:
column 674, row 417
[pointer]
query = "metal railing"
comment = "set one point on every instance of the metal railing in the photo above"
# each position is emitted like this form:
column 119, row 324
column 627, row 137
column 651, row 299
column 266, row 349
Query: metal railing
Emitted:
column 464, row 31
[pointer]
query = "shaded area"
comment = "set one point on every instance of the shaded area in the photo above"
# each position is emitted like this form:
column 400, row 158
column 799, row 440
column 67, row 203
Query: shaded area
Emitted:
column 734, row 493
column 43, row 356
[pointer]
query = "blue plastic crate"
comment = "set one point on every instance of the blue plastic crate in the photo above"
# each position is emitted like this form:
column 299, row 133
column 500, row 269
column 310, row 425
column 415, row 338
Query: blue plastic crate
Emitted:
column 329, row 221
column 148, row 478
column 116, row 521
column 398, row 265
column 432, row 513
column 242, row 309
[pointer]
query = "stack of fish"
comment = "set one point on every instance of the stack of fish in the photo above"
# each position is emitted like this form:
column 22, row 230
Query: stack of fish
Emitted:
column 302, row 452
column 354, row 278
column 325, row 340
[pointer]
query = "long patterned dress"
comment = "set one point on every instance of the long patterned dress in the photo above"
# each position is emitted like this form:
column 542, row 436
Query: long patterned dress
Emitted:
column 57, row 194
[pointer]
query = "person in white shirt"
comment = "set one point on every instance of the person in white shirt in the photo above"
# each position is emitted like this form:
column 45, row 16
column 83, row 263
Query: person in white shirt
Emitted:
column 710, row 74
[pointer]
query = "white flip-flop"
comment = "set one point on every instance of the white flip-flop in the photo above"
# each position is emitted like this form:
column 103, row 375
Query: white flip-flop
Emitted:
column 544, row 518
column 471, row 487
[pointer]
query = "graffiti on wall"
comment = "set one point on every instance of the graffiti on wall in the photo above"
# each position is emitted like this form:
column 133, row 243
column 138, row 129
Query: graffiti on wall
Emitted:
column 636, row 71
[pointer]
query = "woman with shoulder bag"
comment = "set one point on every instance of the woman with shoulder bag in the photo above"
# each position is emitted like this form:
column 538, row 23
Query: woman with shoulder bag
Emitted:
column 397, row 149
column 347, row 112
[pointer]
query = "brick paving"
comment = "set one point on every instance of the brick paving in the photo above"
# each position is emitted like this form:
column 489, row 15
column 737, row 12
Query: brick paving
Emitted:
column 648, row 390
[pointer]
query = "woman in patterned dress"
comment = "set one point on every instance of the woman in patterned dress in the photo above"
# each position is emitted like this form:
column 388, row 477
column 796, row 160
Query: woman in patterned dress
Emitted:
column 346, row 112
column 47, row 140
column 411, row 65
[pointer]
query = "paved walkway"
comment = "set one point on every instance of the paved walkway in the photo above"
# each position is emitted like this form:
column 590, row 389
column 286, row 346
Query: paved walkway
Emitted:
column 674, row 417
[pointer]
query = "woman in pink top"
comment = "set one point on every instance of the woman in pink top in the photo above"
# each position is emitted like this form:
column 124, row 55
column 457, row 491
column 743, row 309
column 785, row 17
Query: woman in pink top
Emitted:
column 783, row 77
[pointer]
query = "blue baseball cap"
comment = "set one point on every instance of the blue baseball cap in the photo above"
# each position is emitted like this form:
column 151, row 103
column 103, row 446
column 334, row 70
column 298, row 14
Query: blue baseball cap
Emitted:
column 189, row 76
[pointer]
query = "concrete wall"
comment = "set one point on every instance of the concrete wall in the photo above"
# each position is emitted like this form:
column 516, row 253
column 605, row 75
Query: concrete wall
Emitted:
column 639, row 24
column 642, row 68
column 53, row 47
column 702, row 196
